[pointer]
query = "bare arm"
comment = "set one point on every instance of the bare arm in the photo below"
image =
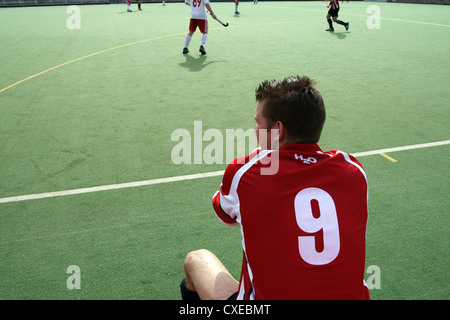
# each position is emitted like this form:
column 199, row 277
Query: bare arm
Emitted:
column 208, row 6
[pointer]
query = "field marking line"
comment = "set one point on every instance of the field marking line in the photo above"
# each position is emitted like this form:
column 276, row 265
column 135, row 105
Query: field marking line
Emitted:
column 367, row 16
column 388, row 157
column 107, row 50
column 396, row 149
column 187, row 177
column 419, row 22
column 111, row 187
column 88, row 56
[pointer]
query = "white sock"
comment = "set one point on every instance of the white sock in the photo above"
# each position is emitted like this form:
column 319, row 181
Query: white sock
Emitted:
column 128, row 6
column 236, row 8
column 187, row 40
column 204, row 38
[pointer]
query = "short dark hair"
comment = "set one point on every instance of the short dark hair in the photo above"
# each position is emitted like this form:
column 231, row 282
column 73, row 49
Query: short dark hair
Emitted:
column 297, row 104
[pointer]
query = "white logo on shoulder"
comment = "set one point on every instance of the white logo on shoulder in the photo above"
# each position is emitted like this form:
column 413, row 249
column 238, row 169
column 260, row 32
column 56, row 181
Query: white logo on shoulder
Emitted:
column 308, row 160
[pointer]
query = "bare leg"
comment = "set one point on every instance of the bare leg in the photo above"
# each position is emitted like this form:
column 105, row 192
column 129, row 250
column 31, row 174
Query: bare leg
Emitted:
column 207, row 276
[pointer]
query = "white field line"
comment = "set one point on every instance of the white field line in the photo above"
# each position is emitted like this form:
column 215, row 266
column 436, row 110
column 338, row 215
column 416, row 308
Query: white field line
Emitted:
column 186, row 177
column 364, row 16
column 396, row 149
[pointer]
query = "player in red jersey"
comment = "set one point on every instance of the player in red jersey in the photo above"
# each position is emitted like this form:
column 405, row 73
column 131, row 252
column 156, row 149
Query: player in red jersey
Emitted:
column 302, row 211
column 236, row 2
column 333, row 13
column 129, row 5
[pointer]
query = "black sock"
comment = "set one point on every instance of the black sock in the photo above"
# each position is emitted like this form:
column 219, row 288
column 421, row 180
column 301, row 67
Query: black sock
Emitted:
column 187, row 294
column 341, row 22
column 330, row 23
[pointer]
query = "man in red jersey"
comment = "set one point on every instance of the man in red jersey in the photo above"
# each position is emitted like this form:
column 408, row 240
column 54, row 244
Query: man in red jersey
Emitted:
column 302, row 211
column 333, row 13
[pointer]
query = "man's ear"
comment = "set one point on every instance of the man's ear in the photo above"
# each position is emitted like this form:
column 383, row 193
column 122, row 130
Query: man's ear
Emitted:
column 282, row 133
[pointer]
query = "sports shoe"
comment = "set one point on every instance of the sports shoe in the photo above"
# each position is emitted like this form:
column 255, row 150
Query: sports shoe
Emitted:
column 202, row 50
column 330, row 29
column 347, row 25
column 237, row 12
column 185, row 50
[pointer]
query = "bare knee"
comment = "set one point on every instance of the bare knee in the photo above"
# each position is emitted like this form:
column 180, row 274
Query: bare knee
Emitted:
column 196, row 256
column 194, row 259
column 207, row 276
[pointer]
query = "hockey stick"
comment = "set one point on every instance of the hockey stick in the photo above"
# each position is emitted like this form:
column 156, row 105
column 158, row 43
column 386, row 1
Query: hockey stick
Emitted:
column 224, row 24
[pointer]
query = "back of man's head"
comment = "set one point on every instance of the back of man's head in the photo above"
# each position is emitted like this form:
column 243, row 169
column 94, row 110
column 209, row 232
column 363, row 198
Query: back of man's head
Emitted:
column 297, row 104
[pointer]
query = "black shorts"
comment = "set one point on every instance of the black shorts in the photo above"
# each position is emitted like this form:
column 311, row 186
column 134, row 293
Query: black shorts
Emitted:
column 233, row 296
column 333, row 12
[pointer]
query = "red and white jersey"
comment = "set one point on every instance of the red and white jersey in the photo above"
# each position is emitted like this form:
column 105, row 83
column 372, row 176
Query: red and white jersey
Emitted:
column 198, row 10
column 334, row 4
column 303, row 225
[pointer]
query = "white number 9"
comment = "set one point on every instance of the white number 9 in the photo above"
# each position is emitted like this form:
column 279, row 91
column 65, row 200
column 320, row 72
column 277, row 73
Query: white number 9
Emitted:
column 327, row 221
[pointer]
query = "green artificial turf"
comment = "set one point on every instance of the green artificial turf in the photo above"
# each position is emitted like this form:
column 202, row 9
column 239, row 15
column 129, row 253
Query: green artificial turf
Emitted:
column 98, row 105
